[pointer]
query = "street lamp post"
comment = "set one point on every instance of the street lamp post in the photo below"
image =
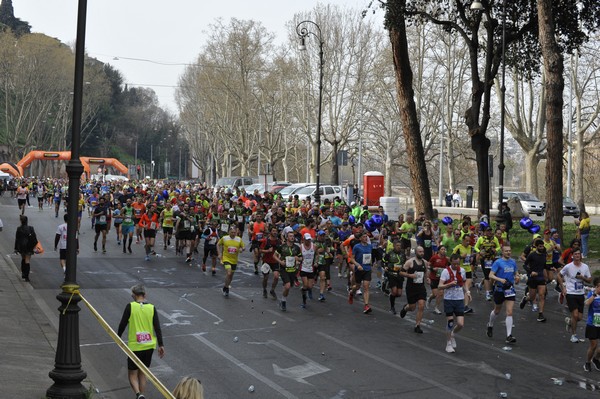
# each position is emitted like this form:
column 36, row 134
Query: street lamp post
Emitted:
column 477, row 5
column 67, row 373
column 302, row 29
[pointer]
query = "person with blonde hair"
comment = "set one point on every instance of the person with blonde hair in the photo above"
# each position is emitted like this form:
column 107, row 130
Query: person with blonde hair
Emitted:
column 189, row 388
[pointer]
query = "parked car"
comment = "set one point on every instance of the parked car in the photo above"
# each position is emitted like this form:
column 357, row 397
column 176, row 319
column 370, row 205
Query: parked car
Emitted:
column 529, row 202
column 570, row 208
column 235, row 181
column 291, row 189
column 261, row 187
column 327, row 192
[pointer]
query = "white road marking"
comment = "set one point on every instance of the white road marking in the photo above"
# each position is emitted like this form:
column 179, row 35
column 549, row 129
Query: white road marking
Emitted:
column 272, row 384
column 174, row 318
column 219, row 320
column 426, row 379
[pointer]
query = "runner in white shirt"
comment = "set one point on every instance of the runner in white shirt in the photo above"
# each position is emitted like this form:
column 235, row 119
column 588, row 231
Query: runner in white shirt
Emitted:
column 306, row 267
column 571, row 279
column 452, row 281
column 60, row 242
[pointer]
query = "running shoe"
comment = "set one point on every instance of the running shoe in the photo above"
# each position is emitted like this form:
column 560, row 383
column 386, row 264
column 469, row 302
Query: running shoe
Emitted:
column 403, row 312
column 95, row 246
column 264, row 293
column 596, row 363
column 147, row 258
column 468, row 310
column 541, row 318
column 273, row 294
column 449, row 348
column 510, row 340
column 490, row 331
column 393, row 310
column 321, row 298
column 282, row 306
column 367, row 309
column 358, row 292
column 350, row 298
column 523, row 302
column 452, row 340
column 587, row 366
column 310, row 295
column 535, row 307
column 225, row 291
column 488, row 296
column 574, row 339
column 329, row 287
column 437, row 311
column 418, row 330
column 203, row 268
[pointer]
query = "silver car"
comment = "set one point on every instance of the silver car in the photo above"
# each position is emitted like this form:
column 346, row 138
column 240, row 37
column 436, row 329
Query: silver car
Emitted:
column 529, row 202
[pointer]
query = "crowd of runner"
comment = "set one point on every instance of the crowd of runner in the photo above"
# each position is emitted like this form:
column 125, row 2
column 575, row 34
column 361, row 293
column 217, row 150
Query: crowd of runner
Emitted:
column 302, row 244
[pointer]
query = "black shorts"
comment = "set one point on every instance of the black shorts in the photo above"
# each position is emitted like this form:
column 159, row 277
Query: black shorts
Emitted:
column 62, row 254
column 288, row 277
column 469, row 274
column 323, row 268
column 210, row 250
column 361, row 275
column 575, row 302
column 116, row 224
column 40, row 199
column 548, row 266
column 149, row 233
column 395, row 280
column 592, row 332
column 274, row 266
column 144, row 356
column 167, row 230
column 136, row 221
column 499, row 297
column 184, row 235
column 434, row 284
column 21, row 202
column 101, row 227
column 413, row 296
column 377, row 254
column 308, row 275
column 533, row 284
column 486, row 272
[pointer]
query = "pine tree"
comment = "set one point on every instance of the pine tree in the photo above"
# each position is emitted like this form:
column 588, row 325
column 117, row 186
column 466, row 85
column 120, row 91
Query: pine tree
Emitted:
column 9, row 21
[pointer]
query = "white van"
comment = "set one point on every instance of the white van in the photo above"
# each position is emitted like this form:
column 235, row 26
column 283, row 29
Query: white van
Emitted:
column 327, row 192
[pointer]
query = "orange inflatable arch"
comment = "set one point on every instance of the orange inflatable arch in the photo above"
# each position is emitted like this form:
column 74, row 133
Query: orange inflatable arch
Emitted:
column 17, row 170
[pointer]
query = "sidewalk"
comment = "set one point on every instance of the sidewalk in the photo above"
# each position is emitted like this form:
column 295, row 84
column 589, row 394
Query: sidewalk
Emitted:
column 27, row 336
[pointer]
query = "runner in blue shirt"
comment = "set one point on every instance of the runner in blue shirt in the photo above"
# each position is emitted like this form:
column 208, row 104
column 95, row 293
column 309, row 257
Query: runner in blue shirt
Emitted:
column 504, row 277
column 592, row 328
column 362, row 259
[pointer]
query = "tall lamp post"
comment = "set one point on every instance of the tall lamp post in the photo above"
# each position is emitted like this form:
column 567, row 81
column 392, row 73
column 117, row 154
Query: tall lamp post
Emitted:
column 476, row 5
column 67, row 373
column 302, row 29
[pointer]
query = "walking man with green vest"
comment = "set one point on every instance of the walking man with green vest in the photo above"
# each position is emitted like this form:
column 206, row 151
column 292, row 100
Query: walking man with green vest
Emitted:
column 143, row 335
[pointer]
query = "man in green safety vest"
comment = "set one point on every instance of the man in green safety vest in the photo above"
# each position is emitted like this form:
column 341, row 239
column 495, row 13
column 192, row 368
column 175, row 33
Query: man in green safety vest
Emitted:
column 143, row 335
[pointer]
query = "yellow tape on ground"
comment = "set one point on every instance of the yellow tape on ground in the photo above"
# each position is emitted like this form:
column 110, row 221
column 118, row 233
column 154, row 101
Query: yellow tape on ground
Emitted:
column 166, row 393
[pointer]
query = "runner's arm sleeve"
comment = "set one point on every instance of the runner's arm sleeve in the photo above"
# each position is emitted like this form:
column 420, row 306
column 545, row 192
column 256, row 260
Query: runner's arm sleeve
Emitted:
column 157, row 330
column 124, row 319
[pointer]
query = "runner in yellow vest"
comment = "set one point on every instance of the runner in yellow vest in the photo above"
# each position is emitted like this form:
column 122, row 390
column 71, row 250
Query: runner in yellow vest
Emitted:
column 143, row 335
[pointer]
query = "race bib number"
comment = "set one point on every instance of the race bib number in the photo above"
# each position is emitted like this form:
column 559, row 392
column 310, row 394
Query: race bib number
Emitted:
column 143, row 337
column 224, row 227
column 240, row 218
column 186, row 224
column 232, row 250
column 427, row 243
column 419, row 278
column 438, row 272
column 128, row 219
column 596, row 320
column 152, row 226
column 488, row 264
column 467, row 260
column 138, row 212
column 259, row 236
column 509, row 292
column 290, row 262
column 306, row 263
column 321, row 259
column 102, row 219
column 578, row 285
column 366, row 259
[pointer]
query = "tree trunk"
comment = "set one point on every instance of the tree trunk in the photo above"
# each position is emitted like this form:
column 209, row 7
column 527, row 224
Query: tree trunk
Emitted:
column 408, row 111
column 480, row 144
column 531, row 176
column 388, row 169
column 553, row 67
column 335, row 177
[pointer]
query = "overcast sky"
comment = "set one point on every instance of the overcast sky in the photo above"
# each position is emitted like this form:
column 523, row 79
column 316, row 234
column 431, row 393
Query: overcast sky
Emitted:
column 163, row 31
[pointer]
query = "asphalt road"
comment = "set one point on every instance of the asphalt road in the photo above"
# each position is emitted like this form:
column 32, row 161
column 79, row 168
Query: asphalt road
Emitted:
column 329, row 350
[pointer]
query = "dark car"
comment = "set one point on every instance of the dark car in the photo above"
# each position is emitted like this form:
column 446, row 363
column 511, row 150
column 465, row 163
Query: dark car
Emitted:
column 570, row 208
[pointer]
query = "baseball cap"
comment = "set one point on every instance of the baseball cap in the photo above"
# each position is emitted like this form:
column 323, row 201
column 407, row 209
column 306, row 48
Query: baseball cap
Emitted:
column 295, row 227
column 321, row 232
column 307, row 236
column 352, row 203
column 553, row 230
column 231, row 210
